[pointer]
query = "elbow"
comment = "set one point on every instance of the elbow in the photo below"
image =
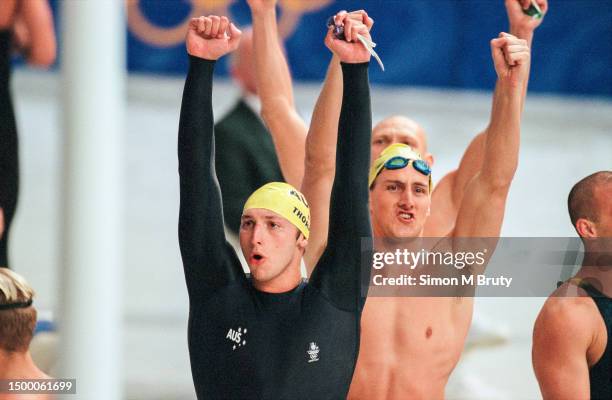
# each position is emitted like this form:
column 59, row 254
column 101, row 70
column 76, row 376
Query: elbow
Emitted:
column 500, row 182
column 272, row 110
column 315, row 165
column 320, row 162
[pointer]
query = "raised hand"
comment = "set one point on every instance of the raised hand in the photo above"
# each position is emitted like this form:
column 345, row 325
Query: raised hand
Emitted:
column 511, row 57
column 521, row 23
column 212, row 37
column 350, row 50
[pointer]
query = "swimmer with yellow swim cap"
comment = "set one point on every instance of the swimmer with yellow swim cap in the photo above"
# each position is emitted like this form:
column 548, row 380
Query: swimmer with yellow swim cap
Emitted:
column 274, row 231
column 271, row 334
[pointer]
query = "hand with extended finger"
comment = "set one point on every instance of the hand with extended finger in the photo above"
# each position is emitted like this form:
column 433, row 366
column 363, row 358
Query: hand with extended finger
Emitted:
column 212, row 37
column 511, row 57
column 521, row 23
column 350, row 50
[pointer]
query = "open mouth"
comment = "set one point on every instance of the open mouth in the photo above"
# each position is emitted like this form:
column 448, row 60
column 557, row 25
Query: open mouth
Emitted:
column 406, row 217
column 256, row 259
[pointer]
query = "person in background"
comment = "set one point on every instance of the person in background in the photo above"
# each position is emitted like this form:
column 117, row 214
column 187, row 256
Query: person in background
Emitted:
column 245, row 158
column 26, row 27
column 572, row 354
column 17, row 323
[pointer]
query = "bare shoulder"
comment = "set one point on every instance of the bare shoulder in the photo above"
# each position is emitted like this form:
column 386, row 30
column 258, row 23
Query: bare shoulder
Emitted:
column 568, row 315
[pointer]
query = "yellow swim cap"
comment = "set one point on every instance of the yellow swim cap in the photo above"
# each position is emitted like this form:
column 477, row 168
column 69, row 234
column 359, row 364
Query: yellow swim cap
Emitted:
column 396, row 156
column 285, row 200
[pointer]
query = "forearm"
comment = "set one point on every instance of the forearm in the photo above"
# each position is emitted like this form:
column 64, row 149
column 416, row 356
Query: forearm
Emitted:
column 503, row 135
column 276, row 93
column 525, row 34
column 200, row 217
column 338, row 272
column 323, row 132
column 353, row 152
column 38, row 20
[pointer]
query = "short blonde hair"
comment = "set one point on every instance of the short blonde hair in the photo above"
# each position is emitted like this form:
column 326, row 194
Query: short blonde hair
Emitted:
column 17, row 316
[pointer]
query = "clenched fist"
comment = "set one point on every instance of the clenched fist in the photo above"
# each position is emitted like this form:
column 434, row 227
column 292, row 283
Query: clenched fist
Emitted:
column 521, row 23
column 511, row 57
column 350, row 50
column 212, row 37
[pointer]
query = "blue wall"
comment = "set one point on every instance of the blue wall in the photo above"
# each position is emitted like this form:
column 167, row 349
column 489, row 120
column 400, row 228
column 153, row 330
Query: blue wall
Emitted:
column 441, row 43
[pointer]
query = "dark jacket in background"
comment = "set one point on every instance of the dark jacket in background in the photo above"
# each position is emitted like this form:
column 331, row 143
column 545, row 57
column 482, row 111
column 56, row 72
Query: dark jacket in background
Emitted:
column 245, row 160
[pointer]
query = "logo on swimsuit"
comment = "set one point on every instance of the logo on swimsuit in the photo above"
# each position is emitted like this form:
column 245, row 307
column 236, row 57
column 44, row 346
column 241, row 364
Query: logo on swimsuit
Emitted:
column 236, row 336
column 313, row 352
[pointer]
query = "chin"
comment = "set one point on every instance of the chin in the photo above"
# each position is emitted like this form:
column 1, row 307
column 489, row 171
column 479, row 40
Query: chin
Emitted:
column 407, row 232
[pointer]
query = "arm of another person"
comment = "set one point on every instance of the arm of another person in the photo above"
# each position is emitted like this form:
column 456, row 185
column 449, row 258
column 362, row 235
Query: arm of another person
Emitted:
column 208, row 260
column 276, row 92
column 482, row 209
column 561, row 338
column 321, row 152
column 448, row 194
column 338, row 272
column 320, row 163
column 34, row 32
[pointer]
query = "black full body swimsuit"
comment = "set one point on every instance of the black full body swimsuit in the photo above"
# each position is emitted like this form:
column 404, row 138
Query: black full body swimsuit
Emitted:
column 9, row 161
column 244, row 343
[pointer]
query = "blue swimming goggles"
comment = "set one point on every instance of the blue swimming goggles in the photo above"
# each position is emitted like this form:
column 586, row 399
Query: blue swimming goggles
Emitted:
column 399, row 162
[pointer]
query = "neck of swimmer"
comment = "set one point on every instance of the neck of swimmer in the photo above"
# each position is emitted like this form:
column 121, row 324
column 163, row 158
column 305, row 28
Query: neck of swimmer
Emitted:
column 19, row 365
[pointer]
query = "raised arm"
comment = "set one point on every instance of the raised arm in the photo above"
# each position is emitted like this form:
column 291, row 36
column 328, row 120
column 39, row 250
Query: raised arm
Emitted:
column 320, row 164
column 208, row 260
column 275, row 90
column 448, row 194
column 34, row 32
column 337, row 273
column 321, row 153
column 482, row 208
column 561, row 338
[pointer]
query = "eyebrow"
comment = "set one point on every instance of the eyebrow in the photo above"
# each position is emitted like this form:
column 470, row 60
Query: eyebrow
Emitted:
column 387, row 181
column 381, row 136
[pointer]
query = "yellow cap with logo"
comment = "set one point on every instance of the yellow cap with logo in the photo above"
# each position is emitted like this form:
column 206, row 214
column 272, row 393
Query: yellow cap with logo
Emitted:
column 397, row 156
column 285, row 200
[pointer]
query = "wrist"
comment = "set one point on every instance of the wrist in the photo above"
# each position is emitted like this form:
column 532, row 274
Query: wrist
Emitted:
column 522, row 33
column 263, row 12
column 195, row 60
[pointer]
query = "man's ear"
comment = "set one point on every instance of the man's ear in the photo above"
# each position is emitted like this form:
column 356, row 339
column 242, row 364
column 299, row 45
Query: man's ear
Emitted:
column 586, row 228
column 302, row 242
column 430, row 159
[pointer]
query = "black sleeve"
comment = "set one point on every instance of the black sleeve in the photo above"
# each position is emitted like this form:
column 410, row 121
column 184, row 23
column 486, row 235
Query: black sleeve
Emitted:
column 338, row 273
column 209, row 261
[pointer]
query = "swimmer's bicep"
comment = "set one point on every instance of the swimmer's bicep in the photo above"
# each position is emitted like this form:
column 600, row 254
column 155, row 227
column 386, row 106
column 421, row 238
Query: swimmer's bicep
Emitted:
column 482, row 210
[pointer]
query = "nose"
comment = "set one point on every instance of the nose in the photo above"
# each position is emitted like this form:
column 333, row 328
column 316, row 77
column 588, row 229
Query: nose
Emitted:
column 257, row 237
column 406, row 200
